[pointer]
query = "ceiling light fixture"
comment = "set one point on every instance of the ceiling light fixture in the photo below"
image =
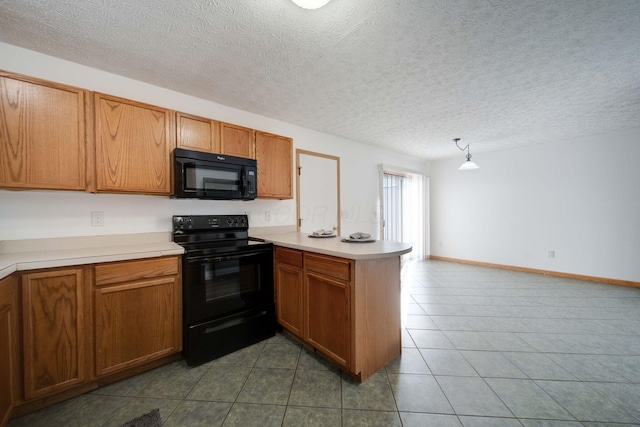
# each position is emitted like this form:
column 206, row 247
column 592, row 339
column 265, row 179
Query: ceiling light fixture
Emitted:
column 310, row 4
column 468, row 164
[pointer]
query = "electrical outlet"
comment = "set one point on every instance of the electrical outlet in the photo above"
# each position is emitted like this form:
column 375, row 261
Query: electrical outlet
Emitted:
column 267, row 215
column 551, row 253
column 97, row 219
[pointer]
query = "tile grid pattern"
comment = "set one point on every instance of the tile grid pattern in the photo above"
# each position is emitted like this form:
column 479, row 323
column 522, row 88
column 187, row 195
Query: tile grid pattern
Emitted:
column 481, row 347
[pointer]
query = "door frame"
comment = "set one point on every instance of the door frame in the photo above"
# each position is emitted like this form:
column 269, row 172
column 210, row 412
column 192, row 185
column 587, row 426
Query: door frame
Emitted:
column 326, row 156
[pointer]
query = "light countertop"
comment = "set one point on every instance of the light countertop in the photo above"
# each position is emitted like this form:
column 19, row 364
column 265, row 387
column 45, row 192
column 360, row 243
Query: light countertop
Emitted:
column 31, row 254
column 334, row 246
column 20, row 255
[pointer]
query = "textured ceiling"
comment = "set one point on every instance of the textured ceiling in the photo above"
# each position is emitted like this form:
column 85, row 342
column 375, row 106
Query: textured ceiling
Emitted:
column 408, row 75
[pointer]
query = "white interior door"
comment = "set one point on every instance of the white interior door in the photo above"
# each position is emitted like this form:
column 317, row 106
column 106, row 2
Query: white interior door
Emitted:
column 318, row 191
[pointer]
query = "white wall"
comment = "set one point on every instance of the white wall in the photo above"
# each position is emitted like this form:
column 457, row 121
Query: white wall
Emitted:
column 33, row 214
column 580, row 198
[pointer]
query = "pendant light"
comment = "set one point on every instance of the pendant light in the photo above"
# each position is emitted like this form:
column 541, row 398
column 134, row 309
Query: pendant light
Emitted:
column 468, row 164
column 310, row 4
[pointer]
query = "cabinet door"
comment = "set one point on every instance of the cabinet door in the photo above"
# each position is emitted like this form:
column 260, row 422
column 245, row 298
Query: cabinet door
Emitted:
column 328, row 317
column 42, row 141
column 53, row 331
column 237, row 141
column 289, row 281
column 133, row 146
column 8, row 347
column 136, row 322
column 274, row 155
column 197, row 133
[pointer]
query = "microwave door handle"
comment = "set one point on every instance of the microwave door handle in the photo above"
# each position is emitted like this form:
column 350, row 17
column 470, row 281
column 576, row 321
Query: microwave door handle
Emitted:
column 246, row 185
column 244, row 180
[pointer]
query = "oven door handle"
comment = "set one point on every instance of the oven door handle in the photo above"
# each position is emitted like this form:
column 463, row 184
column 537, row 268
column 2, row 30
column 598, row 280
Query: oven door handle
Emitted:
column 220, row 259
column 235, row 322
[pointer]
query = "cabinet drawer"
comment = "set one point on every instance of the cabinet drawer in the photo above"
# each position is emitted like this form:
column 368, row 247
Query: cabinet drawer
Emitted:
column 289, row 256
column 328, row 266
column 128, row 271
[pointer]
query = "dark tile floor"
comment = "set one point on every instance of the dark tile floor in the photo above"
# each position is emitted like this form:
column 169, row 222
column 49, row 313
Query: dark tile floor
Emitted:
column 481, row 347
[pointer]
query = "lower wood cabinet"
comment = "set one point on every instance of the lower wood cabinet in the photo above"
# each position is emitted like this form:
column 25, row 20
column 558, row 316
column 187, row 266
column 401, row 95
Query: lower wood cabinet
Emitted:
column 9, row 343
column 137, row 313
column 328, row 317
column 313, row 301
column 347, row 310
column 288, row 282
column 55, row 331
column 84, row 326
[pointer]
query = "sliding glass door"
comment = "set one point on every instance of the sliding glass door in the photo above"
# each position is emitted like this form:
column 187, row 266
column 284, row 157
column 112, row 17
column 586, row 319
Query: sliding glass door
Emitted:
column 403, row 210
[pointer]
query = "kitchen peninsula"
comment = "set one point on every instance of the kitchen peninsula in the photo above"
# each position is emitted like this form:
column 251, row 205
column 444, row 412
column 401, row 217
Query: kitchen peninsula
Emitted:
column 342, row 299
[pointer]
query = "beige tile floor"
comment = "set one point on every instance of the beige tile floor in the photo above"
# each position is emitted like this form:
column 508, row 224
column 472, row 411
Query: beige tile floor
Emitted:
column 481, row 347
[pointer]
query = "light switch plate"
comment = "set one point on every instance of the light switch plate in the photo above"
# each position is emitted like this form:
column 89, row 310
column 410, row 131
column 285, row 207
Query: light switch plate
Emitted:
column 97, row 219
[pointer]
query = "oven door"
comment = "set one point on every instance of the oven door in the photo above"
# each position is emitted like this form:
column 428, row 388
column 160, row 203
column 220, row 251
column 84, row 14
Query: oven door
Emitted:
column 227, row 283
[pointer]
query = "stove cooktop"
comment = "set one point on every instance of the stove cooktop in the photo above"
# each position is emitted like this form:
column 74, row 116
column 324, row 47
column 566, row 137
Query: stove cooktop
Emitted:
column 203, row 235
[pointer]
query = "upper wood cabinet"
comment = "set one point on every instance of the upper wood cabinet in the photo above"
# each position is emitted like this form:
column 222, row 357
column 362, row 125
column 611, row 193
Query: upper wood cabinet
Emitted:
column 133, row 144
column 237, row 141
column 42, row 137
column 274, row 155
column 61, row 137
column 8, row 347
column 138, row 306
column 197, row 133
column 211, row 136
column 54, row 331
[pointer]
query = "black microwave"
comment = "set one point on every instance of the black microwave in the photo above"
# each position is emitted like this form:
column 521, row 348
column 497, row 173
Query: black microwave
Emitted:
column 200, row 175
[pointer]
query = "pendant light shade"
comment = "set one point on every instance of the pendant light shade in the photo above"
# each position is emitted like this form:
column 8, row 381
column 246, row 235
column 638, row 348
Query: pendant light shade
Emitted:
column 311, row 4
column 468, row 164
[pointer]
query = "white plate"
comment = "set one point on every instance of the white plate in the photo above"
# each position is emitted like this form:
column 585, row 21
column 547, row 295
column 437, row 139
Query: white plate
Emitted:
column 321, row 236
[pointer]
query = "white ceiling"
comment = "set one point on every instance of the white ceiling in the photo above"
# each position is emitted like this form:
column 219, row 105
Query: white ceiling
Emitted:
column 408, row 75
